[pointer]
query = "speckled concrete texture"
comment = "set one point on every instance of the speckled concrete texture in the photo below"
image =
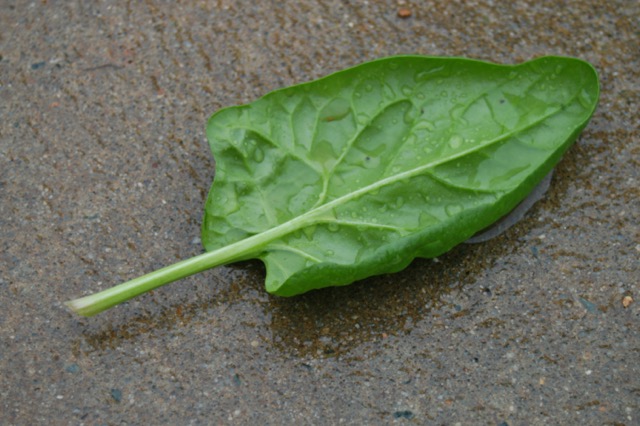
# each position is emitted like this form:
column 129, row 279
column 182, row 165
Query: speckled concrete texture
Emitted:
column 104, row 168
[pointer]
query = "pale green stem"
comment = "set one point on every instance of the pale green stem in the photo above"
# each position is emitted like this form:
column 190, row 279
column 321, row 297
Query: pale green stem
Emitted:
column 98, row 302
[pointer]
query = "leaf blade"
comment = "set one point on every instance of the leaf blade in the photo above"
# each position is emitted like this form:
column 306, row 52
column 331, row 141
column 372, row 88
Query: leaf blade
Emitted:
column 371, row 186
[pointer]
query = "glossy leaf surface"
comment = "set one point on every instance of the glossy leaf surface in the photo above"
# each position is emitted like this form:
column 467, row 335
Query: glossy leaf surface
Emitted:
column 360, row 172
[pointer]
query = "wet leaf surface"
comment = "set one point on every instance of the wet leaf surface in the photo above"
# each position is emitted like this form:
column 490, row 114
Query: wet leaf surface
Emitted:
column 360, row 172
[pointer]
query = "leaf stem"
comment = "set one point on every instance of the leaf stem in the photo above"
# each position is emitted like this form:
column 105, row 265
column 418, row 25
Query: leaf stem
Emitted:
column 98, row 302
column 241, row 250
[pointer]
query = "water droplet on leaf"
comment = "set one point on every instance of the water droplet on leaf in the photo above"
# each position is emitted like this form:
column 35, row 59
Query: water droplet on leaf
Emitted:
column 371, row 162
column 455, row 141
column 410, row 116
column 425, row 124
column 258, row 155
column 453, row 209
column 363, row 118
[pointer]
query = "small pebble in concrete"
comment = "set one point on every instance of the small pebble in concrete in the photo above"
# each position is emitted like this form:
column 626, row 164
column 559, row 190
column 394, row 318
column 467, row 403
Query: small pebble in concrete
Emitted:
column 116, row 394
column 404, row 13
column 406, row 414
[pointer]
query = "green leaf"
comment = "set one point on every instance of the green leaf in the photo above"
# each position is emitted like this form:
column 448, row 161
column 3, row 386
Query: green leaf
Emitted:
column 360, row 172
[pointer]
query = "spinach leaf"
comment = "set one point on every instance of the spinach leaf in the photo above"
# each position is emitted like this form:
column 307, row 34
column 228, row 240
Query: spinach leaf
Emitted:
column 360, row 172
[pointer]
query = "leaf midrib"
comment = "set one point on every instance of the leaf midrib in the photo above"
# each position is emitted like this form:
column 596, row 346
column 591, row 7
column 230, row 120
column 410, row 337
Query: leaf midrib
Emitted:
column 257, row 242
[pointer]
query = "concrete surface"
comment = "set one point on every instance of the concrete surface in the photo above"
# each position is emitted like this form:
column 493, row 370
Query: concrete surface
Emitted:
column 104, row 168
